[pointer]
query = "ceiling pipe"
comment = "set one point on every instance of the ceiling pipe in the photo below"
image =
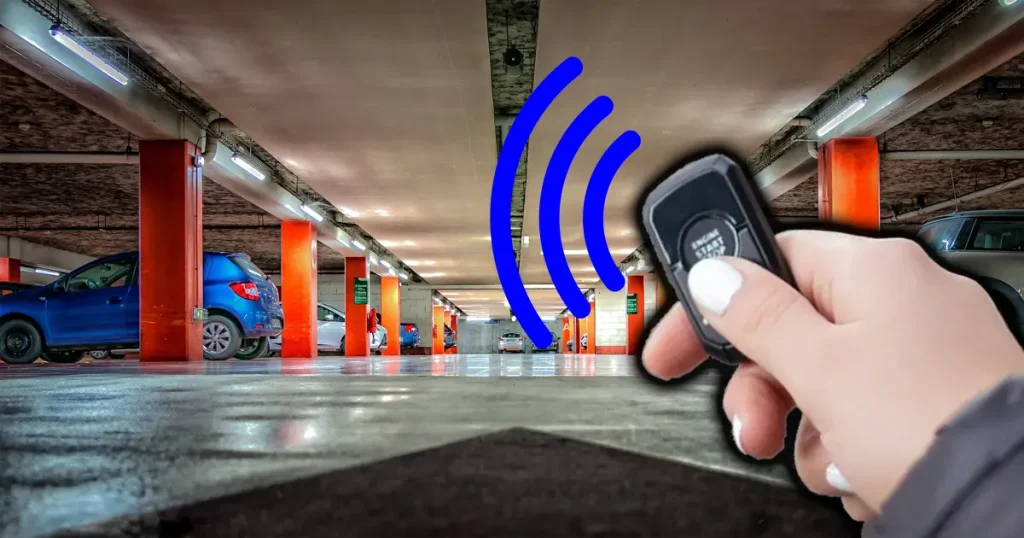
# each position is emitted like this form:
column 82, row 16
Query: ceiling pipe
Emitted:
column 812, row 149
column 955, row 202
column 214, row 129
column 68, row 157
column 980, row 155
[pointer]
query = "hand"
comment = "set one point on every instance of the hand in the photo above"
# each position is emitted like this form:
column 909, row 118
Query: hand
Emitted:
column 878, row 348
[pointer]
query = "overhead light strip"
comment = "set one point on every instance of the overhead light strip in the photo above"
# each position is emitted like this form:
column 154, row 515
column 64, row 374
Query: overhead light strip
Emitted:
column 63, row 38
column 846, row 114
column 248, row 167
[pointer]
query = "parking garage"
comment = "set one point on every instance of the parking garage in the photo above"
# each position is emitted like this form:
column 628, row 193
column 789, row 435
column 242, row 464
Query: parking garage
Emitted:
column 245, row 249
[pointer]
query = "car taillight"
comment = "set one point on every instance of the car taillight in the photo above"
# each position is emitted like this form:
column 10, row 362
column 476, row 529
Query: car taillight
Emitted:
column 246, row 290
column 520, row 339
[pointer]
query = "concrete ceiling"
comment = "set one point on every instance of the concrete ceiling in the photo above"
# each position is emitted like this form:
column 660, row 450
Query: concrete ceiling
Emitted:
column 383, row 107
column 390, row 106
column 683, row 75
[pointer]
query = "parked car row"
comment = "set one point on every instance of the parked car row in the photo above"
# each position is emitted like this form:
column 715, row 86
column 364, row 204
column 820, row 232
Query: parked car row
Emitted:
column 95, row 309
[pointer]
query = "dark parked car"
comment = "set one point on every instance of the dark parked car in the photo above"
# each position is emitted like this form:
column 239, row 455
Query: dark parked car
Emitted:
column 96, row 308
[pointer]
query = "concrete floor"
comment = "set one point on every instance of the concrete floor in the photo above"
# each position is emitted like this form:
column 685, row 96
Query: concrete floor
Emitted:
column 87, row 442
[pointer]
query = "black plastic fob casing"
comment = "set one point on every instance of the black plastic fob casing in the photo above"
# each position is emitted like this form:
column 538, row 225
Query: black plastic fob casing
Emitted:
column 705, row 209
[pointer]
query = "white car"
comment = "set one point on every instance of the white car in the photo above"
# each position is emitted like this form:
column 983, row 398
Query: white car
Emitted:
column 510, row 342
column 330, row 332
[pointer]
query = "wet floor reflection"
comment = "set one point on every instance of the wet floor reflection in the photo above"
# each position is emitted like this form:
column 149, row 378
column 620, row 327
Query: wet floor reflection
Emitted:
column 449, row 365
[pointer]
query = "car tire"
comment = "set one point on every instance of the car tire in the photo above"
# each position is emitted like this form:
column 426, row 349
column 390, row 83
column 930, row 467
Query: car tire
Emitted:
column 20, row 342
column 342, row 348
column 252, row 348
column 221, row 338
column 99, row 355
column 63, row 357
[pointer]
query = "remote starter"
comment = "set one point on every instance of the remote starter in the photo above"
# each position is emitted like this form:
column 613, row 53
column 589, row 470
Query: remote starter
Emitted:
column 705, row 209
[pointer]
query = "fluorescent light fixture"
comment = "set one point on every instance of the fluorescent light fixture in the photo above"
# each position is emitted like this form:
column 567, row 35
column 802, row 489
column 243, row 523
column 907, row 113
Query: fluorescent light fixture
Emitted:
column 349, row 212
column 245, row 165
column 312, row 213
column 630, row 269
column 26, row 269
column 854, row 108
column 576, row 252
column 392, row 272
column 526, row 240
column 403, row 276
column 386, row 263
column 513, row 319
column 414, row 263
column 547, row 318
column 428, row 275
column 87, row 55
column 342, row 238
column 42, row 271
column 478, row 318
column 358, row 245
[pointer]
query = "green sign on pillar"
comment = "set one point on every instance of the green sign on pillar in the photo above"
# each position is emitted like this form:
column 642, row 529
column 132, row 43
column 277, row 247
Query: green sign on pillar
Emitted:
column 361, row 295
column 631, row 304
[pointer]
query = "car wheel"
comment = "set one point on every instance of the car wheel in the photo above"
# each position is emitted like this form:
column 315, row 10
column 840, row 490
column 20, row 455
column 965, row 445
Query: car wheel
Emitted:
column 63, row 357
column 20, row 342
column 252, row 348
column 99, row 355
column 221, row 338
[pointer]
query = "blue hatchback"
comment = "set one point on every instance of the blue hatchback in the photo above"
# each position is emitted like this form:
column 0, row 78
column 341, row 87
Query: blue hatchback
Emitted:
column 96, row 307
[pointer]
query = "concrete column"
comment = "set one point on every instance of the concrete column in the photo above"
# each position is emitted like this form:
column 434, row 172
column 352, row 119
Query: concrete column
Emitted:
column 454, row 325
column 357, row 343
column 566, row 333
column 437, row 331
column 10, row 270
column 170, row 251
column 391, row 313
column 299, row 281
column 848, row 182
column 634, row 318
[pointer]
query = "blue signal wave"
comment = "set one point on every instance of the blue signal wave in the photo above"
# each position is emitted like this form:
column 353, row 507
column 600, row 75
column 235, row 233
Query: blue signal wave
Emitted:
column 551, row 199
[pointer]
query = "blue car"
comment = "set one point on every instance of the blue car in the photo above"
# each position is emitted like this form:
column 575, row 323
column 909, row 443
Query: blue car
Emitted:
column 410, row 336
column 96, row 307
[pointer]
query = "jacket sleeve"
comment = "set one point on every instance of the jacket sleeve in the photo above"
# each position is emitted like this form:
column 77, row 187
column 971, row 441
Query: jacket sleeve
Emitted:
column 970, row 483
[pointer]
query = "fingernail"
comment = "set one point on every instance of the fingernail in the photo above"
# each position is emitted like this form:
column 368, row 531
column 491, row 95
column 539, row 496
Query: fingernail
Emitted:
column 713, row 283
column 737, row 428
column 836, row 479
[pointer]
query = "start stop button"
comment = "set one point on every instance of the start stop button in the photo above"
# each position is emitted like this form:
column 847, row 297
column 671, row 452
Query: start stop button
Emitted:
column 707, row 237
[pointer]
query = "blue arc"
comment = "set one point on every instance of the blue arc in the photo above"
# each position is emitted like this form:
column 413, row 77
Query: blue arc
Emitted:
column 501, row 196
column 593, row 208
column 550, row 215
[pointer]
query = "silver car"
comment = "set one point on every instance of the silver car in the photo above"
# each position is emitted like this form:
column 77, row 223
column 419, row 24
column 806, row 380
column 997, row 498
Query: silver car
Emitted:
column 989, row 246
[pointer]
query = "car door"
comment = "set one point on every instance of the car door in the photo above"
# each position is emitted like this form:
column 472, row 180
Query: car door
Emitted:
column 89, row 305
column 330, row 328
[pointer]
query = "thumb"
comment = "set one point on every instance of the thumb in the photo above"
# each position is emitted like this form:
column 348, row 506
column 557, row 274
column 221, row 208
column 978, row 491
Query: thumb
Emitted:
column 765, row 318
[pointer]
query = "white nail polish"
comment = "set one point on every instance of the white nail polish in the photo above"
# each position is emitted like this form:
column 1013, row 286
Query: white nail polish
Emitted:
column 737, row 428
column 836, row 479
column 713, row 283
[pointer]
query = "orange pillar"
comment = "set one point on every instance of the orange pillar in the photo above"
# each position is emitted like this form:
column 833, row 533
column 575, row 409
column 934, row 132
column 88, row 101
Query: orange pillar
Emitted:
column 391, row 313
column 592, row 330
column 848, row 182
column 575, row 334
column 298, row 276
column 170, row 251
column 566, row 333
column 634, row 313
column 437, row 342
column 454, row 324
column 357, row 300
column 10, row 270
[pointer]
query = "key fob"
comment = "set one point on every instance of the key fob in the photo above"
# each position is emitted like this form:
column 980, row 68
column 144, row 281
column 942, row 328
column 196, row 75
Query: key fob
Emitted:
column 705, row 209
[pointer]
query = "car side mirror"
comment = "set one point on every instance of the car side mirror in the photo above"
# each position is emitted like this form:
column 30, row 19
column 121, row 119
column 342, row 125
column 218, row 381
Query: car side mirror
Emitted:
column 329, row 317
